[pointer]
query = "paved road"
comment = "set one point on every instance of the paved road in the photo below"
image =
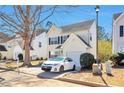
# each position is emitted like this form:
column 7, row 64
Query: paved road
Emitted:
column 13, row 79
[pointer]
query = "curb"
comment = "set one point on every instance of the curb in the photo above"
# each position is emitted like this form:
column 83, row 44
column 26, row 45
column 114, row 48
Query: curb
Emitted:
column 92, row 84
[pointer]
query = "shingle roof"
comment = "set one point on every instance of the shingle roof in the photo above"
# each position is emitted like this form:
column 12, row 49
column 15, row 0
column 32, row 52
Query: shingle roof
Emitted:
column 78, row 26
column 115, row 16
column 39, row 31
column 2, row 48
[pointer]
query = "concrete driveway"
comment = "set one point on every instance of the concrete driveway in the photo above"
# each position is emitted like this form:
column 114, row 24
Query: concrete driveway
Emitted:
column 36, row 71
column 13, row 79
column 41, row 74
column 53, row 75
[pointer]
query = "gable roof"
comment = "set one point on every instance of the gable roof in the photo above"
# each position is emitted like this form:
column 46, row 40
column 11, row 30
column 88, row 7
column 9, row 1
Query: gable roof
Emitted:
column 2, row 48
column 39, row 31
column 4, row 37
column 115, row 16
column 78, row 26
column 78, row 37
column 36, row 33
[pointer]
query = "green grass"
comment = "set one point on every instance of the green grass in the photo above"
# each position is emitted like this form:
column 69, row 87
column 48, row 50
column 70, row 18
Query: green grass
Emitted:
column 105, row 49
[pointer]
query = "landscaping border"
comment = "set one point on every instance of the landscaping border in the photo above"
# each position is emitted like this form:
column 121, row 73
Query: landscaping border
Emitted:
column 92, row 84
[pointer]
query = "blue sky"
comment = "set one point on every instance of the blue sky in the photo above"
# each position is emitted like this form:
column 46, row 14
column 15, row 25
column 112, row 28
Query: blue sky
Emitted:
column 82, row 13
column 65, row 15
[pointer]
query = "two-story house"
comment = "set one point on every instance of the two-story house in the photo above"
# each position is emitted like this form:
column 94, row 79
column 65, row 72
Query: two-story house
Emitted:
column 118, row 33
column 72, row 40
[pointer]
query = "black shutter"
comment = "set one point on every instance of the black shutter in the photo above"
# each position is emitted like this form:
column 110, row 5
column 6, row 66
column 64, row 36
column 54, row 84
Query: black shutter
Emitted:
column 58, row 40
column 49, row 41
column 61, row 40
column 121, row 31
column 49, row 54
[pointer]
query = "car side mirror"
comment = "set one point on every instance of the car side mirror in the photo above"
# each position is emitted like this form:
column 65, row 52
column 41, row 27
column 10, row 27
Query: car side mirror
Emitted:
column 70, row 60
column 66, row 61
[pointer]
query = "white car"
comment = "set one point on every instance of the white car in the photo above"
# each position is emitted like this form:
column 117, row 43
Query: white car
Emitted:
column 58, row 64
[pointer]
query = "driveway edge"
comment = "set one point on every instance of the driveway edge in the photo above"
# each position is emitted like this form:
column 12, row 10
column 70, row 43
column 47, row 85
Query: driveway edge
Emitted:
column 92, row 84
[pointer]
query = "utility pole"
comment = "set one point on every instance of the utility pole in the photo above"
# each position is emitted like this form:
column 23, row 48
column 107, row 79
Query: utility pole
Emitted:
column 97, row 12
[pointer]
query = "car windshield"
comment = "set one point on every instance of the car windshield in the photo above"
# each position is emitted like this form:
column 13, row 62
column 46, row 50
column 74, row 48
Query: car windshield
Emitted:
column 57, row 59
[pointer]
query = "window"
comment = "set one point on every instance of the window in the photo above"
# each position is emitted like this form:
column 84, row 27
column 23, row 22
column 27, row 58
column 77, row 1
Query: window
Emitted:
column 58, row 40
column 40, row 45
column 121, row 31
column 53, row 40
column 64, row 38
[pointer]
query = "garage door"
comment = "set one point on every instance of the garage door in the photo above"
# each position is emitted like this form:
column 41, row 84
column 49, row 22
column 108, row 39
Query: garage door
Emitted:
column 76, row 57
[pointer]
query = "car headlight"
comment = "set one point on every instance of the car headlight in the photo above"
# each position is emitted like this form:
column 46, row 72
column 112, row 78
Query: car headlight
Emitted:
column 55, row 64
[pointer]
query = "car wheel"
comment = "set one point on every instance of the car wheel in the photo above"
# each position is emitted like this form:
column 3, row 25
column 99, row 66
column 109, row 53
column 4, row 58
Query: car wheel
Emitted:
column 61, row 69
column 73, row 68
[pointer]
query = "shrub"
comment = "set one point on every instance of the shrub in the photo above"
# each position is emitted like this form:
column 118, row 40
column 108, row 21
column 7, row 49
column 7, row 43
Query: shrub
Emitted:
column 104, row 50
column 4, row 58
column 117, row 58
column 37, row 58
column 41, row 58
column 86, row 60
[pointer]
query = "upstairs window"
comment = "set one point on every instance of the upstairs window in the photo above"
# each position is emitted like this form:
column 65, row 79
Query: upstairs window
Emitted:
column 121, row 31
column 53, row 40
column 58, row 40
column 64, row 38
column 40, row 45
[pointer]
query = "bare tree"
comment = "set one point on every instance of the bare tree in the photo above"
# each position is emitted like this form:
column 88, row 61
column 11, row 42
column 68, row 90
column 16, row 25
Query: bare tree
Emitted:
column 24, row 21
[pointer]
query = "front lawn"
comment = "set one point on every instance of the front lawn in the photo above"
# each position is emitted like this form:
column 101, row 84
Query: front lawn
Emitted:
column 13, row 64
column 117, row 78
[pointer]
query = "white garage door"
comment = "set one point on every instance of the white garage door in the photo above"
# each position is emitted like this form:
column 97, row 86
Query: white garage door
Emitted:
column 75, row 56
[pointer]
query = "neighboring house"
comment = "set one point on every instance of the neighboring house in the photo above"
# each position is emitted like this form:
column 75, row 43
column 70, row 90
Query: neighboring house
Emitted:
column 38, row 47
column 3, row 51
column 72, row 40
column 118, row 33
column 3, row 38
column 39, row 44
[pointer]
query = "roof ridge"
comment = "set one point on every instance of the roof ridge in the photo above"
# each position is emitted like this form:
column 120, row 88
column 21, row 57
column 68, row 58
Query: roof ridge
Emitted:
column 81, row 26
column 77, row 23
